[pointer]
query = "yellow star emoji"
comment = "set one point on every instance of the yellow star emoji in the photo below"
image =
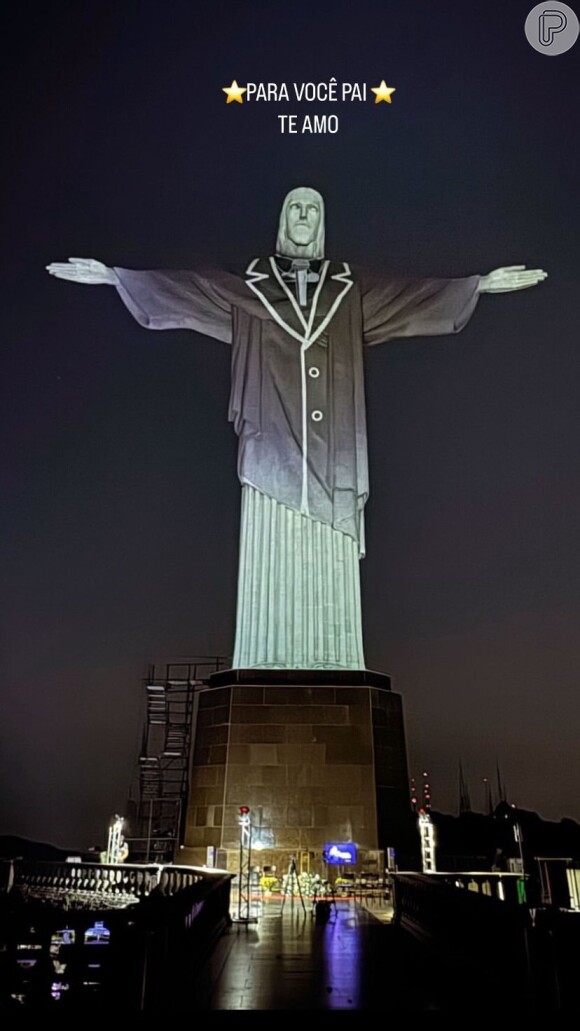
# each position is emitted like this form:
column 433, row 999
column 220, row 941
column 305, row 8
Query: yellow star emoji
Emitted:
column 383, row 92
column 234, row 92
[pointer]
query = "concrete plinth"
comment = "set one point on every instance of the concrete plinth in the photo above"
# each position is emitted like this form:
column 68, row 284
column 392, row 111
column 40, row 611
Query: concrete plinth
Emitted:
column 318, row 756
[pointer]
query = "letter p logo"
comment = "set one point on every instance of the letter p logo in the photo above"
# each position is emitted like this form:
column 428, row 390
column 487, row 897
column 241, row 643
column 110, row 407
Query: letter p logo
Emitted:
column 552, row 28
column 551, row 22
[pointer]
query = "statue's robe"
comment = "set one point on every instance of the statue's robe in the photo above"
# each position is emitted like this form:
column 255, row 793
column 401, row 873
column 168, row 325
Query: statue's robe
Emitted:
column 297, row 405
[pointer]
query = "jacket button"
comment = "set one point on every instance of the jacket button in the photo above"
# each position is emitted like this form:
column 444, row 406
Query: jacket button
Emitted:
column 314, row 372
column 316, row 416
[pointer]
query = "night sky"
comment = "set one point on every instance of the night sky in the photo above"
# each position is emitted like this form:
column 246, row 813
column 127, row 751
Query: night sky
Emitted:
column 120, row 502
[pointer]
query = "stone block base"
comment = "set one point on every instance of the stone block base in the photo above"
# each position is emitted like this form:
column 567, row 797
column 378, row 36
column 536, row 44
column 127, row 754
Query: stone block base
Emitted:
column 315, row 758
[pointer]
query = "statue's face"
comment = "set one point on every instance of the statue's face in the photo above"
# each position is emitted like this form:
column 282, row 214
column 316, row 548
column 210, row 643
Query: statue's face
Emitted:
column 302, row 220
column 301, row 225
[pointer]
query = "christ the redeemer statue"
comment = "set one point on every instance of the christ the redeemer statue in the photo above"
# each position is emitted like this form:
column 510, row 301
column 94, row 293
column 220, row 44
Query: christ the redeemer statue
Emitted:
column 298, row 325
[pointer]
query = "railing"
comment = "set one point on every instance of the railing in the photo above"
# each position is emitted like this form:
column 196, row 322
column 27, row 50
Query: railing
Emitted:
column 125, row 883
column 484, row 930
column 192, row 671
column 135, row 935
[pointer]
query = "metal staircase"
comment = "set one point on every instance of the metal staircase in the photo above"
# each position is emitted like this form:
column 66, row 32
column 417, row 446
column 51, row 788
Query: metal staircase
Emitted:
column 165, row 756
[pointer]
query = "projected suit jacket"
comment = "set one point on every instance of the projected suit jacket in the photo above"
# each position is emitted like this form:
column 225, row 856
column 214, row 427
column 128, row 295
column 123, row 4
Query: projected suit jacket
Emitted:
column 297, row 387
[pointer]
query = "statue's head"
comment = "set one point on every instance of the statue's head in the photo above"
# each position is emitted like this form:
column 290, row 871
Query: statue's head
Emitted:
column 301, row 229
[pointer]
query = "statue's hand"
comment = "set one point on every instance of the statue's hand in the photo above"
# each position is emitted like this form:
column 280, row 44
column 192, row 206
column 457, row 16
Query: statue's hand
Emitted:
column 82, row 270
column 511, row 277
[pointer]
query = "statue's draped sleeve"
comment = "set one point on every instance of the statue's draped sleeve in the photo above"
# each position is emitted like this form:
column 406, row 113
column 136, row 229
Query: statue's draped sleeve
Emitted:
column 174, row 299
column 397, row 307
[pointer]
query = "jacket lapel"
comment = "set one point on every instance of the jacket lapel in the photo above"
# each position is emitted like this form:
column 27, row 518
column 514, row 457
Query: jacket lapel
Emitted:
column 264, row 279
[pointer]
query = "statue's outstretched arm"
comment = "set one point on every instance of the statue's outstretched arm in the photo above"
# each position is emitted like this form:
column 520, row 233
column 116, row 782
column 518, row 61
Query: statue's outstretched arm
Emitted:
column 396, row 307
column 511, row 277
column 163, row 298
column 83, row 270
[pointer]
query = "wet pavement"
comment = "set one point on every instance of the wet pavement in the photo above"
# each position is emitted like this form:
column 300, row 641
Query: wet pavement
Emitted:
column 353, row 961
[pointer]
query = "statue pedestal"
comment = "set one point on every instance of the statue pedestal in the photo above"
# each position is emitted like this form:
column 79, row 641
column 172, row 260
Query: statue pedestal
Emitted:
column 317, row 755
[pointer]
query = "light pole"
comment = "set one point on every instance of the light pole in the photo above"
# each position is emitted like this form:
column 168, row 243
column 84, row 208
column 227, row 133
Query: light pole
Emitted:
column 245, row 867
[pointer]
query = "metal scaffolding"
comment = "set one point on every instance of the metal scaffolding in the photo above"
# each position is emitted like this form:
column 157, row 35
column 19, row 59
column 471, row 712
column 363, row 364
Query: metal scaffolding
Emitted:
column 165, row 755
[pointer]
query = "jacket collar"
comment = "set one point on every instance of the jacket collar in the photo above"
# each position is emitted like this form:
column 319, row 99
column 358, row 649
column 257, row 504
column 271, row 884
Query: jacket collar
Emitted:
column 264, row 278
